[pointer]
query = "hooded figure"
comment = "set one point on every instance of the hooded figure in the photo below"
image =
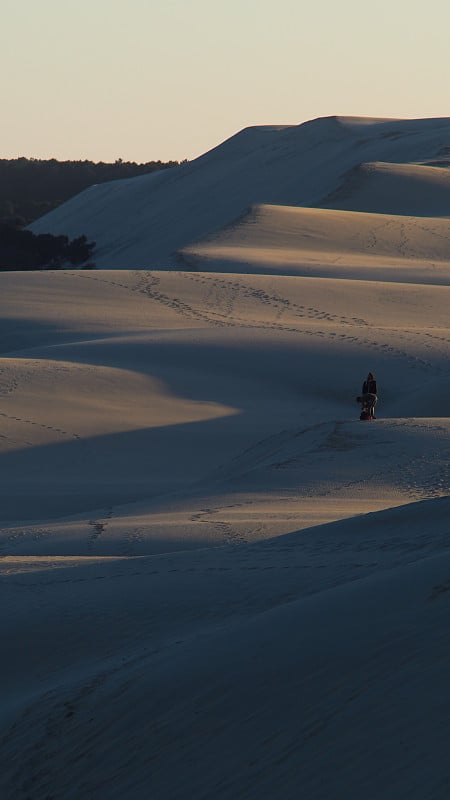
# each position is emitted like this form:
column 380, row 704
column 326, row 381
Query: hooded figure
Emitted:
column 369, row 385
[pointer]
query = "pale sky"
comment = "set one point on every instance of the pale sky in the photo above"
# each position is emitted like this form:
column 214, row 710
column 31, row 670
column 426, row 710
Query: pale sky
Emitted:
column 145, row 80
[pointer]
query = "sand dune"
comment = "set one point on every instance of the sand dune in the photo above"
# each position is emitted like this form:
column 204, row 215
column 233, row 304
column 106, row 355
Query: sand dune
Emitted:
column 416, row 190
column 311, row 241
column 217, row 582
column 111, row 413
column 143, row 222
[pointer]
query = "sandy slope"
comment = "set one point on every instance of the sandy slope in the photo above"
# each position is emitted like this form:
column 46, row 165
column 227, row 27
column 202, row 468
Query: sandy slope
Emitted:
column 237, row 388
column 412, row 189
column 318, row 660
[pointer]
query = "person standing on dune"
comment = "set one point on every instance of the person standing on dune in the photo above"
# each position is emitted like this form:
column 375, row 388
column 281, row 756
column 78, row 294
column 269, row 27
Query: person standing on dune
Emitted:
column 369, row 396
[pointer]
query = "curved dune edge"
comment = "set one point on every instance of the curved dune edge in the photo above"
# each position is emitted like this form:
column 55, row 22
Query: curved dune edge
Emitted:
column 328, row 243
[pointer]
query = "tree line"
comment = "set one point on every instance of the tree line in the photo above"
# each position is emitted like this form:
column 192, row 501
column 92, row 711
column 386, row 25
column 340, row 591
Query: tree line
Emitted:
column 23, row 250
column 31, row 187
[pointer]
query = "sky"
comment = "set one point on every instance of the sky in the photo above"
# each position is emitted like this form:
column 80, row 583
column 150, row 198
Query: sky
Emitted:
column 146, row 80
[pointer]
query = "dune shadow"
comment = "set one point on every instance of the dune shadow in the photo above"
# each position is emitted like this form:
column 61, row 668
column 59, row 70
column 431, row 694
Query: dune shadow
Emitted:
column 20, row 336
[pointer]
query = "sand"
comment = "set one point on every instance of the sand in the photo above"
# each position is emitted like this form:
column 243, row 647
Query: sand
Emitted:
column 216, row 580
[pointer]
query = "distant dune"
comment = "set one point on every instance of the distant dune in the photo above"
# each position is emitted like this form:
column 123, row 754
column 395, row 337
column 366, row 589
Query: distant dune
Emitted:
column 145, row 221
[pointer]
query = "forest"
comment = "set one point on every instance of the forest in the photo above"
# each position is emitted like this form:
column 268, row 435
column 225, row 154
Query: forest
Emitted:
column 22, row 250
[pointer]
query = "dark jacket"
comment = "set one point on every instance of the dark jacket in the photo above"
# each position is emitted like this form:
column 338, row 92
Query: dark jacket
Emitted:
column 369, row 386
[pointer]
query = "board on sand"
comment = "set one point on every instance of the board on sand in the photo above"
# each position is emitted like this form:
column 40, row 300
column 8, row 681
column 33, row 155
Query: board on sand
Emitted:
column 368, row 402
